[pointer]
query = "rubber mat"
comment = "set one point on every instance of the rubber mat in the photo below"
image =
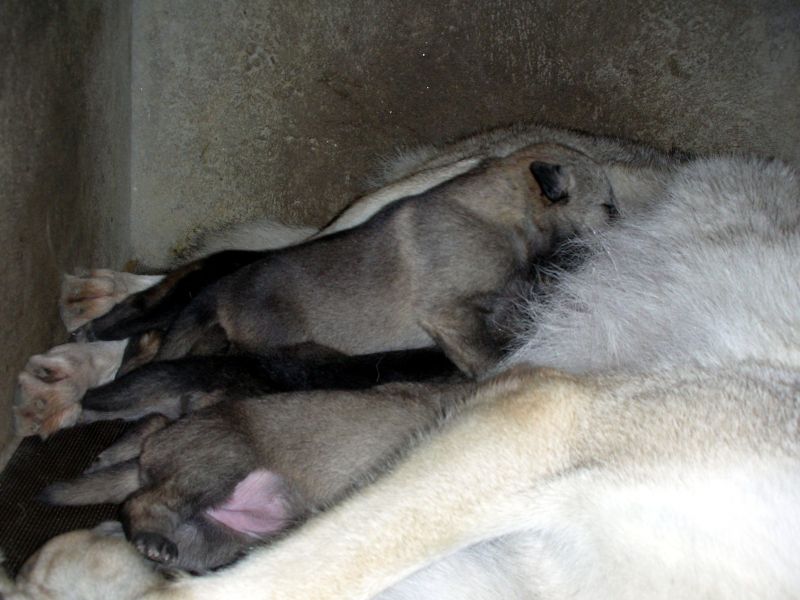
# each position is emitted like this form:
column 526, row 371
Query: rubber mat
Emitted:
column 26, row 523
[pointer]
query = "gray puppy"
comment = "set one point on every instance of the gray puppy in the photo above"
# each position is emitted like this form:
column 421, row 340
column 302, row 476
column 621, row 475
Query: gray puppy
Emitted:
column 214, row 484
column 422, row 271
column 399, row 280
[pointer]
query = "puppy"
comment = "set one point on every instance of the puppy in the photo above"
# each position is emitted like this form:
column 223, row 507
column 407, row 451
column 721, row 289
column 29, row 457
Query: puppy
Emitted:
column 407, row 256
column 662, row 460
column 399, row 280
column 203, row 491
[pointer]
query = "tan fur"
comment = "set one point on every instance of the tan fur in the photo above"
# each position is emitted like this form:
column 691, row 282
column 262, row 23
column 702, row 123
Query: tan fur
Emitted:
column 83, row 565
column 532, row 444
column 676, row 475
column 395, row 282
column 667, row 465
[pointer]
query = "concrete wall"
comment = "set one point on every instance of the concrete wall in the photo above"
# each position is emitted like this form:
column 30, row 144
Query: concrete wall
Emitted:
column 243, row 108
column 64, row 162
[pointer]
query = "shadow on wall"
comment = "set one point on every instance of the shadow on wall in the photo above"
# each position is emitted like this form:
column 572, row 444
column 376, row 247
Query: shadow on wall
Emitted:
column 252, row 108
column 64, row 162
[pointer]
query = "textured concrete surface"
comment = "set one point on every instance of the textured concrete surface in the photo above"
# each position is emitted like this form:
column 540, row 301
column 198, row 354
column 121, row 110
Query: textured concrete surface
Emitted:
column 64, row 162
column 259, row 107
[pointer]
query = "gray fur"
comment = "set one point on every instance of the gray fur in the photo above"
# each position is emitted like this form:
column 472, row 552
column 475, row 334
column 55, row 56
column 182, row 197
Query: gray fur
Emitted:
column 723, row 223
column 668, row 469
column 408, row 286
column 397, row 281
column 319, row 443
column 638, row 173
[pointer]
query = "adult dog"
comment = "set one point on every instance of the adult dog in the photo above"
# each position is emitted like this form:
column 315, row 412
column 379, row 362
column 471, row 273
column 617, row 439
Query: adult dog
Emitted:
column 660, row 461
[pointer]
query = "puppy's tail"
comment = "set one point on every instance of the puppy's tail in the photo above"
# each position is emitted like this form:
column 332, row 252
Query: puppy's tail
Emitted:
column 112, row 485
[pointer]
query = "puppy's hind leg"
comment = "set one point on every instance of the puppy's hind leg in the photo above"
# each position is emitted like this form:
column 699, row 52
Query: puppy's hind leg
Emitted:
column 157, row 306
column 84, row 298
column 196, row 330
column 51, row 385
column 169, row 388
column 112, row 485
column 129, row 446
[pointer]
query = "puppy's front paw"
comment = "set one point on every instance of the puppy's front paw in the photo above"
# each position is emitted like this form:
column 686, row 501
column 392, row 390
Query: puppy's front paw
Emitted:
column 86, row 298
column 51, row 385
column 155, row 547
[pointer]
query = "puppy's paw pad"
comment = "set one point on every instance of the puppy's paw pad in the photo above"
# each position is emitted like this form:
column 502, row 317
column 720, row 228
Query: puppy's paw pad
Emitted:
column 155, row 547
column 51, row 385
column 43, row 407
column 84, row 298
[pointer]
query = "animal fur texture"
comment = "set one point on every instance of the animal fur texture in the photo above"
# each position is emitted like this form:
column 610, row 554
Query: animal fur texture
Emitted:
column 185, row 536
column 661, row 461
column 95, row 564
column 396, row 281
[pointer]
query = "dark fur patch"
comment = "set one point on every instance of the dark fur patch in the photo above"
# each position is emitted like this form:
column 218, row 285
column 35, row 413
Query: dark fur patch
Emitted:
column 551, row 180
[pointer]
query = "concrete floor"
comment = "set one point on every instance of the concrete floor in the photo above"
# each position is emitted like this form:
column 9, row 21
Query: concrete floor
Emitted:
column 127, row 128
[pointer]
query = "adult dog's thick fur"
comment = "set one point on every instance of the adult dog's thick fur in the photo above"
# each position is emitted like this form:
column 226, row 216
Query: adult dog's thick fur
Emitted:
column 665, row 465
column 95, row 564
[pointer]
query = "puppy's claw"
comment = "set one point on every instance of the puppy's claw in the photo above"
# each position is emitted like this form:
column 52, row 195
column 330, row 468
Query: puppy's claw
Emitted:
column 155, row 547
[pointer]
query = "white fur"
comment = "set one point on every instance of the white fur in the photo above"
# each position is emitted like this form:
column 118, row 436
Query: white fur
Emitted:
column 687, row 318
column 260, row 234
column 707, row 277
column 365, row 207
column 689, row 487
column 86, row 297
column 83, row 565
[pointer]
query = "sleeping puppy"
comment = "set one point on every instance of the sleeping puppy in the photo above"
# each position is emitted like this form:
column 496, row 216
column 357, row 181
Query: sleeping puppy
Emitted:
column 201, row 492
column 420, row 272
column 661, row 461
column 398, row 281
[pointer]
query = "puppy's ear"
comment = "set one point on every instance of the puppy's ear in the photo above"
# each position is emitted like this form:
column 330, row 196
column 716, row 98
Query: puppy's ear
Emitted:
column 552, row 180
column 258, row 507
